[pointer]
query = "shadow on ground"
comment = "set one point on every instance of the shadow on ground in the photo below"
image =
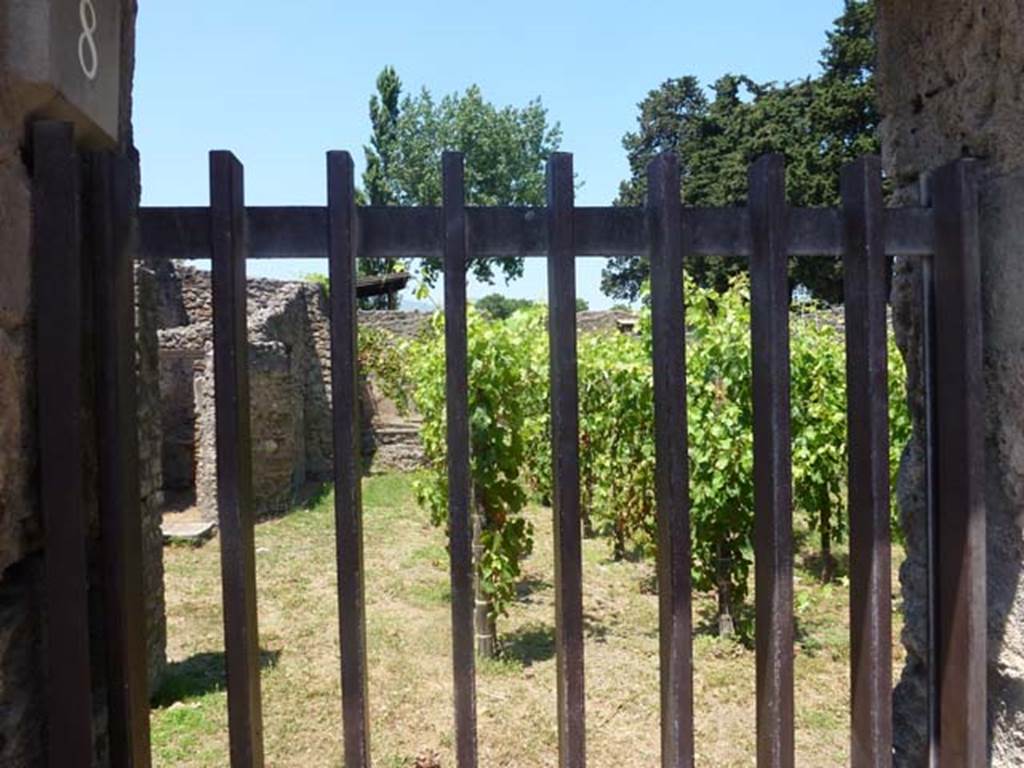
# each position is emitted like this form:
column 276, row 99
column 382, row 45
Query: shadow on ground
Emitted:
column 706, row 623
column 530, row 585
column 200, row 674
column 530, row 644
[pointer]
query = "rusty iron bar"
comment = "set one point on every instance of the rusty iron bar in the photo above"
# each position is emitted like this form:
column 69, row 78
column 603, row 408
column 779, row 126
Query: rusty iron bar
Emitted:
column 773, row 477
column 961, row 651
column 460, row 525
column 865, row 281
column 671, row 471
column 297, row 232
column 565, row 495
column 57, row 241
column 110, row 203
column 234, row 460
column 347, row 439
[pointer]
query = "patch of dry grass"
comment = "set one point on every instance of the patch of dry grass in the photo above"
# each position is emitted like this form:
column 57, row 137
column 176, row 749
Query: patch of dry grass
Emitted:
column 408, row 627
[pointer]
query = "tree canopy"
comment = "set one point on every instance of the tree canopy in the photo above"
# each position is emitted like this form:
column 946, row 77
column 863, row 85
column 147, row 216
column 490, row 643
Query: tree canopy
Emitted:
column 379, row 166
column 500, row 307
column 505, row 150
column 818, row 123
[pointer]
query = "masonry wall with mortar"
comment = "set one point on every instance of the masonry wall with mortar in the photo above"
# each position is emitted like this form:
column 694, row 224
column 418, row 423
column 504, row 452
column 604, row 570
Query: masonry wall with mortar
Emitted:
column 290, row 380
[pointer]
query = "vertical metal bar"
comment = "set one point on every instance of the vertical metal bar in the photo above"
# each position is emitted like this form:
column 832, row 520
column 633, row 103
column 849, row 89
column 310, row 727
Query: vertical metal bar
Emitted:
column 348, row 505
column 56, row 236
column 960, row 467
column 459, row 482
column 773, row 481
column 665, row 213
column 565, row 458
column 927, row 286
column 234, row 459
column 110, row 206
column 865, row 280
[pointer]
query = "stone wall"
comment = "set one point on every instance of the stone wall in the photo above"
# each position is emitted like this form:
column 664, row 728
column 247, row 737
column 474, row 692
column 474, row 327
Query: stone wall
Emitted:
column 290, row 380
column 150, row 469
column 951, row 78
column 23, row 732
column 181, row 350
column 21, row 688
column 405, row 324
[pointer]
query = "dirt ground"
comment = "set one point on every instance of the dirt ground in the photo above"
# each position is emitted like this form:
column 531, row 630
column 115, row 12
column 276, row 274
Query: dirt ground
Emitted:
column 408, row 628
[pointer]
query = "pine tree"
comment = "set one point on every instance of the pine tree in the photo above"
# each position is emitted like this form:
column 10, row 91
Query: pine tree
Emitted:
column 818, row 123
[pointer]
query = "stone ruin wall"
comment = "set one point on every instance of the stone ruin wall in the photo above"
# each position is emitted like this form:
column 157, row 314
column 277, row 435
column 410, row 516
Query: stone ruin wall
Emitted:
column 290, row 383
column 951, row 84
column 150, row 465
column 23, row 728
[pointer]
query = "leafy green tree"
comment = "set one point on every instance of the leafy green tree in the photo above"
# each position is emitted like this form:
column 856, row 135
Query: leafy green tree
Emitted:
column 500, row 307
column 378, row 182
column 817, row 123
column 505, row 150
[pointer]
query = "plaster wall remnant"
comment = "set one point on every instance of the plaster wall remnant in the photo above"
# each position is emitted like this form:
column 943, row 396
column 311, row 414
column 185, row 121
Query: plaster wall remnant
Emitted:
column 951, row 84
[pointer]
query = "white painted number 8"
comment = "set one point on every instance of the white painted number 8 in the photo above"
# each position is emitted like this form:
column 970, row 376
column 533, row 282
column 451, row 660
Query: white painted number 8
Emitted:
column 88, row 57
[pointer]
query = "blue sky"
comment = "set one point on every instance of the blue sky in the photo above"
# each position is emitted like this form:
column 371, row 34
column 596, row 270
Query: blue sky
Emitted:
column 281, row 83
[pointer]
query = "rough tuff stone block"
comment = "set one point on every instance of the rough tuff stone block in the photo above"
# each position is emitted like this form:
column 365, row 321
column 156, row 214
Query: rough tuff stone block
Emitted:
column 950, row 86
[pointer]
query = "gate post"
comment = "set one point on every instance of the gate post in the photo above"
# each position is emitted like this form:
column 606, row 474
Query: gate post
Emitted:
column 234, row 460
column 348, row 502
column 865, row 278
column 56, row 239
column 565, row 472
column 460, row 497
column 960, row 607
column 773, row 474
column 118, row 461
column 675, row 613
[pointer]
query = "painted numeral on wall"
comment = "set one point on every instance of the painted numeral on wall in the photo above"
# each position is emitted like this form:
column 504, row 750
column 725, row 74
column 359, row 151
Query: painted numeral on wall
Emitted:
column 88, row 56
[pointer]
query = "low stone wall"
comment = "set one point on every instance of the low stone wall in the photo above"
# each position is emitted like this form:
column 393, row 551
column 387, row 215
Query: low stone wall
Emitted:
column 405, row 324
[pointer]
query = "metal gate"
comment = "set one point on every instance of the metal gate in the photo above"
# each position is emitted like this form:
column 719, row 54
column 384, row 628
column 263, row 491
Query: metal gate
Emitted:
column 862, row 233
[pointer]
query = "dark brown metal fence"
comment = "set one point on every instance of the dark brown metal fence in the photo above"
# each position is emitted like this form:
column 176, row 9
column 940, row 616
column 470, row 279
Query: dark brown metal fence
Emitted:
column 863, row 233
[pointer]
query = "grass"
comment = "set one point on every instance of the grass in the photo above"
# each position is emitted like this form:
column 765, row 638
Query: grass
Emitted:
column 408, row 630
